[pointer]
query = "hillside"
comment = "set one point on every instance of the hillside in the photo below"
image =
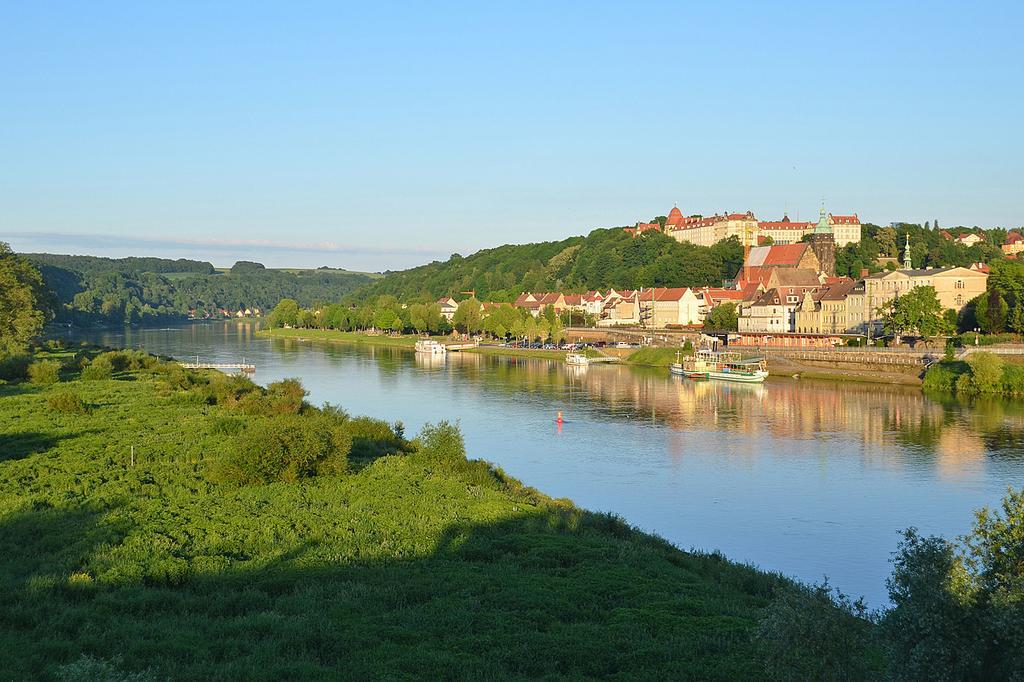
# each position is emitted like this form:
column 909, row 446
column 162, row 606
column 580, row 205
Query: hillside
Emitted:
column 94, row 290
column 413, row 562
column 604, row 258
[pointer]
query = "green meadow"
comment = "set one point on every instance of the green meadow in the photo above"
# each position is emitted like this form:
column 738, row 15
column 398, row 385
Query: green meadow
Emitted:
column 154, row 525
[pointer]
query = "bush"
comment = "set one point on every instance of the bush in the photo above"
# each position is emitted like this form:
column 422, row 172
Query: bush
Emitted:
column 986, row 375
column 815, row 633
column 287, row 448
column 226, row 426
column 372, row 438
column 281, row 397
column 99, row 368
column 441, row 444
column 958, row 610
column 14, row 367
column 943, row 376
column 44, row 372
column 67, row 402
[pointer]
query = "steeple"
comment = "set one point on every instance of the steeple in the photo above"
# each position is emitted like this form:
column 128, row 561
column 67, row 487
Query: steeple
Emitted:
column 907, row 263
column 822, row 227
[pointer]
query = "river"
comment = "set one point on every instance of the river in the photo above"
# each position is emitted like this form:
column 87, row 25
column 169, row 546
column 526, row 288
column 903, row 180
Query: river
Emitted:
column 812, row 479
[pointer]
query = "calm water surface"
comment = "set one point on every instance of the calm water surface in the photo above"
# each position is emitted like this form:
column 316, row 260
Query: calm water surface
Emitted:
column 811, row 479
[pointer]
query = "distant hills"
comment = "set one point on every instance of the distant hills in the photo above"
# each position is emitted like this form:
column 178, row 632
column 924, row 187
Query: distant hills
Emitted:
column 96, row 290
column 604, row 258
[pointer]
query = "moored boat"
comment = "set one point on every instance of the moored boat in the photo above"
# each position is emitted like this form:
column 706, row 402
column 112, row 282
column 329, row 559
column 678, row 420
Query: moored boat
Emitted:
column 577, row 360
column 725, row 366
column 431, row 347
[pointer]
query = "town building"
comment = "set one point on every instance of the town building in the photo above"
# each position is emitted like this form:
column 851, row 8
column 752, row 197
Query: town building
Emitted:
column 1014, row 243
column 709, row 230
column 448, row 307
column 968, row 239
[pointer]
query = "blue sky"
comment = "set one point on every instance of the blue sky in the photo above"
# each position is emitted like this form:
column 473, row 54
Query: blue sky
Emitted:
column 383, row 135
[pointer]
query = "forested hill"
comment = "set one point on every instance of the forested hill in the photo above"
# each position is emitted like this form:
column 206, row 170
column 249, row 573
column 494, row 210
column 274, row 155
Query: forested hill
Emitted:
column 604, row 258
column 94, row 290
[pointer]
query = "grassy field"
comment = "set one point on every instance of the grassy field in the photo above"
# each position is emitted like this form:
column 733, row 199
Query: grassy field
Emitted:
column 114, row 563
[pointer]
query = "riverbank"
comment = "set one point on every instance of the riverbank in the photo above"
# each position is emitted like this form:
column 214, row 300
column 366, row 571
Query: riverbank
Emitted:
column 409, row 561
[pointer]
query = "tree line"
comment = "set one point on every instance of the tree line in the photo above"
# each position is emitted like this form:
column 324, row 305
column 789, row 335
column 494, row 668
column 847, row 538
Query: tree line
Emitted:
column 501, row 321
column 606, row 258
column 93, row 290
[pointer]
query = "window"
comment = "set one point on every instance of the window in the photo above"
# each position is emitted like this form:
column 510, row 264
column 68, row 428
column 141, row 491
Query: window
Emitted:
column 959, row 284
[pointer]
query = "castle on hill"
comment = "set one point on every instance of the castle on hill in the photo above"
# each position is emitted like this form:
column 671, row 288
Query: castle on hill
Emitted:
column 706, row 231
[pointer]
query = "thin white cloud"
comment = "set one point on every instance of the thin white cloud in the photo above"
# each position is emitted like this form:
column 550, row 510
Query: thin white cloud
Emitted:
column 79, row 240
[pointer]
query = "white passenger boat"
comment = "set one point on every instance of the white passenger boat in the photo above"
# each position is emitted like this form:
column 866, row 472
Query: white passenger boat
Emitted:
column 577, row 360
column 431, row 347
column 677, row 367
column 725, row 366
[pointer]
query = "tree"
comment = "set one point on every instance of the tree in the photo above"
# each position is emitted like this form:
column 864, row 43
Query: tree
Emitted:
column 1016, row 321
column 468, row 316
column 957, row 607
column 285, row 313
column 918, row 310
column 886, row 239
column 723, row 317
column 991, row 311
column 24, row 306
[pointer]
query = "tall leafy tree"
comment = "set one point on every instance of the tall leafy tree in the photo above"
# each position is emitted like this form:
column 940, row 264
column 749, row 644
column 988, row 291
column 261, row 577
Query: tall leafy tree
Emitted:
column 917, row 311
column 24, row 305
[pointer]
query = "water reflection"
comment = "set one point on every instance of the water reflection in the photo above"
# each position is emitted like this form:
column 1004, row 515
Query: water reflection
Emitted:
column 811, row 478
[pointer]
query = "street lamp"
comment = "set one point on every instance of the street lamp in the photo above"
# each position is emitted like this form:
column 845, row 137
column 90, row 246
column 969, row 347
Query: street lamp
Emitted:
column 976, row 330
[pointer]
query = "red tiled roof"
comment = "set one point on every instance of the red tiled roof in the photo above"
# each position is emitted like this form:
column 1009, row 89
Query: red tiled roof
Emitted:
column 945, row 234
column 844, row 219
column 1014, row 237
column 786, row 254
column 979, row 267
column 674, row 216
column 784, row 224
column 573, row 299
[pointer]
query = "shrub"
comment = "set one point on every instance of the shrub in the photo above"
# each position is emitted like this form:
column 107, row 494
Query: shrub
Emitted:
column 957, row 609
column 1013, row 379
column 14, row 367
column 986, row 372
column 815, row 633
column 99, row 368
column 44, row 372
column 372, row 438
column 441, row 444
column 226, row 426
column 281, row 397
column 287, row 448
column 67, row 402
column 943, row 376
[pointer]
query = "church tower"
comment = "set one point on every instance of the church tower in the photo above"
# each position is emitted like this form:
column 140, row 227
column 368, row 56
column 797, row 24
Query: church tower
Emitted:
column 908, row 264
column 823, row 243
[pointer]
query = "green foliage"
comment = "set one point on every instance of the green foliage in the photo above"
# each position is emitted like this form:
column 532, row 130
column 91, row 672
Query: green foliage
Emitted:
column 288, row 447
column 722, row 317
column 285, row 314
column 44, row 372
column 441, row 444
column 604, row 258
column 14, row 367
column 148, row 290
column 942, row 376
column 399, row 569
column 815, row 633
column 67, row 402
column 99, row 368
column 991, row 311
column 468, row 316
column 89, row 669
column 917, row 311
column 958, row 608
column 23, row 302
